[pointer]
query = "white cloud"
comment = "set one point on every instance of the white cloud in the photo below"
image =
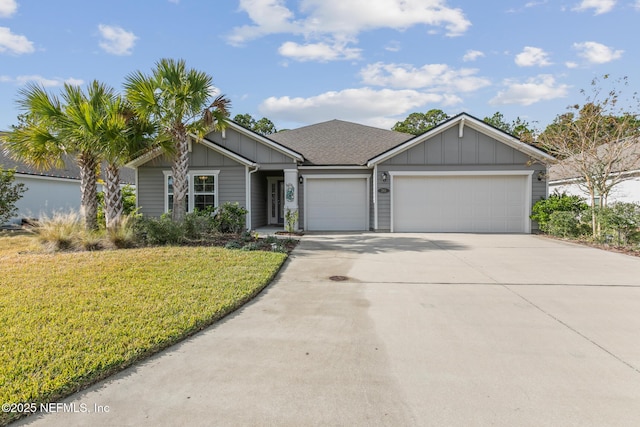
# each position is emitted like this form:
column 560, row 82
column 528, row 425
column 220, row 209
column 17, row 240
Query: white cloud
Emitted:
column 436, row 77
column 571, row 64
column 343, row 20
column 7, row 8
column 532, row 56
column 321, row 52
column 540, row 88
column 600, row 6
column 14, row 43
column 472, row 55
column 637, row 5
column 116, row 40
column 394, row 45
column 364, row 105
column 270, row 17
column 43, row 81
column 597, row 53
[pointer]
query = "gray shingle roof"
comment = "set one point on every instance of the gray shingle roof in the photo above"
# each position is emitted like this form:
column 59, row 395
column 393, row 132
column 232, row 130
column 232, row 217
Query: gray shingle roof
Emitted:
column 567, row 169
column 70, row 169
column 339, row 143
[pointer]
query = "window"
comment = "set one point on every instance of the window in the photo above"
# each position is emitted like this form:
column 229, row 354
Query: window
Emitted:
column 204, row 194
column 202, row 190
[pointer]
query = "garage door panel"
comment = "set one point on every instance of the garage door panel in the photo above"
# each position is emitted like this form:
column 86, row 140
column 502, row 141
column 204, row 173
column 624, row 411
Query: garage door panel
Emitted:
column 460, row 203
column 336, row 204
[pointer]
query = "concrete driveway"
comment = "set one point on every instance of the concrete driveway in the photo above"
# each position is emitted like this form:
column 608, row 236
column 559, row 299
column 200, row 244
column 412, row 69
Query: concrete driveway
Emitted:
column 427, row 329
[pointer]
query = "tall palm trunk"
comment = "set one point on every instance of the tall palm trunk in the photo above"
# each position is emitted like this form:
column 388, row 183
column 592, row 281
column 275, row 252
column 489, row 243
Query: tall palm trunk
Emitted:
column 88, row 164
column 112, row 196
column 180, row 169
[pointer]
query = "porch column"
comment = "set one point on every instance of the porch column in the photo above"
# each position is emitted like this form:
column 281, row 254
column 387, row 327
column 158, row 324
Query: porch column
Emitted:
column 291, row 196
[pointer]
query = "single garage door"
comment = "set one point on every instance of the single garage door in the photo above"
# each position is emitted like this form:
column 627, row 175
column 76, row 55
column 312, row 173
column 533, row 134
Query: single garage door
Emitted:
column 336, row 204
column 476, row 204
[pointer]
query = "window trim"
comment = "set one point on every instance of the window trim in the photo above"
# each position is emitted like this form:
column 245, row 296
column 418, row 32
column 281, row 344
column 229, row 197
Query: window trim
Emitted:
column 190, row 192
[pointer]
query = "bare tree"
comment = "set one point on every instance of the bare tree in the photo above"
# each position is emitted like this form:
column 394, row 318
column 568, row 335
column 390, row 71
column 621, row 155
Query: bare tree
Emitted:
column 597, row 142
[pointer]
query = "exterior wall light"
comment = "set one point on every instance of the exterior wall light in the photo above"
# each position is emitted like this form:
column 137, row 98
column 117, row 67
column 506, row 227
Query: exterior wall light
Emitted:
column 300, row 180
column 384, row 177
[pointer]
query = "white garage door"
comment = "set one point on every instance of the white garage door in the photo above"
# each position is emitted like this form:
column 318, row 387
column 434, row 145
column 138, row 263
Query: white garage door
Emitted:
column 336, row 204
column 477, row 204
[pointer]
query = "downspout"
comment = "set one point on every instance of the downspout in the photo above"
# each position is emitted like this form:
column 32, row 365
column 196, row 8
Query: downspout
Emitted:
column 248, row 174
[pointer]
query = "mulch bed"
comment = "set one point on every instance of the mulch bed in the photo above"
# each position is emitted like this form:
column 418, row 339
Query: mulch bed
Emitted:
column 627, row 250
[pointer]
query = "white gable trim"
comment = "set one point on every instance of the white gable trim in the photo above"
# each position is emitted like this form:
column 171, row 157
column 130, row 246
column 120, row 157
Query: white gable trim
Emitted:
column 466, row 120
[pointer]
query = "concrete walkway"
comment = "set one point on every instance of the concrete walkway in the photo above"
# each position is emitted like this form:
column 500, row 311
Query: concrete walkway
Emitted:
column 427, row 329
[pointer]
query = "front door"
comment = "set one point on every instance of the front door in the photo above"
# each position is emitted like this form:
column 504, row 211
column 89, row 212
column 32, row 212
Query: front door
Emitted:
column 276, row 200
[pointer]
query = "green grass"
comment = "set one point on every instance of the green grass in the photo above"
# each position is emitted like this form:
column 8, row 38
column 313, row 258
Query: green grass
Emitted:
column 69, row 319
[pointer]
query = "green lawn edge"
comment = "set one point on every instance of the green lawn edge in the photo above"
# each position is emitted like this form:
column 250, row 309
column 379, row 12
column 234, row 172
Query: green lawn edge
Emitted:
column 96, row 376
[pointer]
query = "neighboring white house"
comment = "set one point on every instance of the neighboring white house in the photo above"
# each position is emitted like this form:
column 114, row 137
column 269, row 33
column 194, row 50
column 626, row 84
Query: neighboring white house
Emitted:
column 48, row 192
column 561, row 179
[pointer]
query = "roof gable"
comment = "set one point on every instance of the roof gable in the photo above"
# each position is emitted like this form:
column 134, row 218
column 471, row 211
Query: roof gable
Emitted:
column 462, row 120
column 253, row 146
column 157, row 152
column 338, row 142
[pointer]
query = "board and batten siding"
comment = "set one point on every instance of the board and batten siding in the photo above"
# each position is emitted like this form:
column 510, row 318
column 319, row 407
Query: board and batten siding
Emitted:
column 446, row 152
column 249, row 148
column 231, row 179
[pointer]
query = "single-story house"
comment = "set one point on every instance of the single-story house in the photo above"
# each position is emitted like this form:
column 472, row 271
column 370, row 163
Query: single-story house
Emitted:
column 51, row 191
column 564, row 179
column 461, row 176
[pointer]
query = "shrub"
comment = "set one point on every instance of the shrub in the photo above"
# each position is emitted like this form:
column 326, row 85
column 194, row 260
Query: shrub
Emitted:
column 10, row 193
column 159, row 231
column 199, row 224
column 542, row 209
column 563, row 224
column 621, row 219
column 291, row 218
column 234, row 244
column 252, row 246
column 230, row 218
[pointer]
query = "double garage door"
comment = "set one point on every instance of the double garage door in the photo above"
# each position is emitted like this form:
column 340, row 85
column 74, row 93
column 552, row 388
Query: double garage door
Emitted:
column 433, row 203
column 477, row 204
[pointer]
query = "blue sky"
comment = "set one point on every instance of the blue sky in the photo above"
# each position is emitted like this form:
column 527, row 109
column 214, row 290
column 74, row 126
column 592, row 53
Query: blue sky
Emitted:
column 301, row 62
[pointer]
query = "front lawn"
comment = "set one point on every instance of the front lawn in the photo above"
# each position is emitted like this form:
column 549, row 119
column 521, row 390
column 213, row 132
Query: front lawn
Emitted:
column 69, row 319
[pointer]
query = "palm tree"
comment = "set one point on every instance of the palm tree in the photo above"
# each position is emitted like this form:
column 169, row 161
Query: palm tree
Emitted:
column 51, row 129
column 124, row 136
column 177, row 99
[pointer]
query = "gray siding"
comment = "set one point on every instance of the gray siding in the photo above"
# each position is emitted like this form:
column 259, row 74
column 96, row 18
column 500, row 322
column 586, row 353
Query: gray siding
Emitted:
column 538, row 192
column 446, row 152
column 231, row 179
column 446, row 148
column 258, row 200
column 249, row 148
